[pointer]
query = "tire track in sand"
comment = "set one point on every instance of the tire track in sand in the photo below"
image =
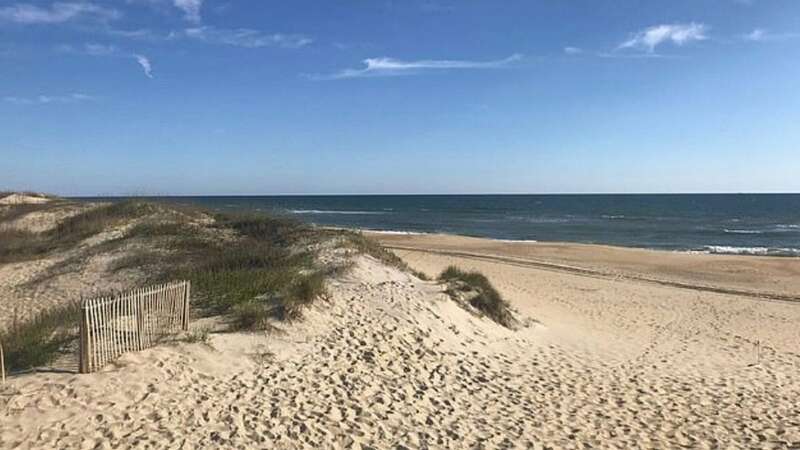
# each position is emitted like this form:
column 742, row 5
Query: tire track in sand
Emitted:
column 595, row 273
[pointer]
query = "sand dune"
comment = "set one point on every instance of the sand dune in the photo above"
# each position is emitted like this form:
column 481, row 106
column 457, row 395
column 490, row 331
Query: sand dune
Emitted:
column 23, row 199
column 390, row 361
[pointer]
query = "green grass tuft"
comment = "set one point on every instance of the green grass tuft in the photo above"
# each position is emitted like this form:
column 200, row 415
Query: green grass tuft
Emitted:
column 37, row 342
column 482, row 295
column 421, row 275
column 365, row 245
column 21, row 246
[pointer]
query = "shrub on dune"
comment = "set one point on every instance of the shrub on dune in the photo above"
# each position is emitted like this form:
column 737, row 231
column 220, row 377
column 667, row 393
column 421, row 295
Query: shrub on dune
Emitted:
column 474, row 288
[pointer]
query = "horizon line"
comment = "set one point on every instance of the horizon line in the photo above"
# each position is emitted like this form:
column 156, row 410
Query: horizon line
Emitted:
column 424, row 194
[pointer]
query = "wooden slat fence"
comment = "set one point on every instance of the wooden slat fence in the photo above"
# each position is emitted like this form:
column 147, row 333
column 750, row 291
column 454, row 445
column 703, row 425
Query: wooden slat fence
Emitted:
column 2, row 364
column 132, row 321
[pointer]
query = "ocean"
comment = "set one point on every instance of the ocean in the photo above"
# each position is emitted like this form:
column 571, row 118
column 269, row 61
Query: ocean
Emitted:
column 752, row 224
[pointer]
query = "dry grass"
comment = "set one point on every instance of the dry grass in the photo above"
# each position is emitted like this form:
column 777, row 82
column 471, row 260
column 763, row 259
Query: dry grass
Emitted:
column 265, row 271
column 476, row 289
column 365, row 245
column 21, row 246
column 250, row 268
column 39, row 341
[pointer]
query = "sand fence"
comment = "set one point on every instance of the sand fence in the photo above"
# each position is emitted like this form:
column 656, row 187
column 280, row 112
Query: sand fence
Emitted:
column 131, row 321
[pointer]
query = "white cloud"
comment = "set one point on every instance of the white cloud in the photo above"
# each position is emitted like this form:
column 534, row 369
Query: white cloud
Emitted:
column 376, row 67
column 100, row 49
column 145, row 63
column 756, row 35
column 761, row 35
column 573, row 50
column 47, row 99
column 679, row 34
column 243, row 37
column 59, row 12
column 191, row 9
column 103, row 50
column 90, row 49
column 618, row 55
column 142, row 34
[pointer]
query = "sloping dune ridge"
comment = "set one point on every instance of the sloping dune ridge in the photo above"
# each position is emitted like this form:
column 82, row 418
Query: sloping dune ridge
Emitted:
column 389, row 361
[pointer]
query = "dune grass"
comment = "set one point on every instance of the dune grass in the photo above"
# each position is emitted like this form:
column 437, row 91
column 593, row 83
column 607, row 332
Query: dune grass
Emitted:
column 12, row 212
column 479, row 292
column 249, row 268
column 38, row 341
column 362, row 244
column 18, row 245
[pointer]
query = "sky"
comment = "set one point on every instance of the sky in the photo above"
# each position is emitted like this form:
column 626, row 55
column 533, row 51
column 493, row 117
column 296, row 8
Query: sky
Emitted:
column 203, row 97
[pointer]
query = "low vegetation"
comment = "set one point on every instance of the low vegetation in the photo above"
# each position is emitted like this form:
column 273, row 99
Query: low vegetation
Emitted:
column 9, row 212
column 249, row 268
column 476, row 290
column 39, row 341
column 362, row 244
column 252, row 269
column 17, row 245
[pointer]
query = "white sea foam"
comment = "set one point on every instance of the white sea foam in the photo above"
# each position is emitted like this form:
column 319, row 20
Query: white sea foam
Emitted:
column 518, row 241
column 744, row 231
column 754, row 251
column 322, row 211
column 792, row 228
column 395, row 232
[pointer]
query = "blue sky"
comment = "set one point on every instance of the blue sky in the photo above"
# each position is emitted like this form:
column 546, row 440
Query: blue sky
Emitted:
column 418, row 96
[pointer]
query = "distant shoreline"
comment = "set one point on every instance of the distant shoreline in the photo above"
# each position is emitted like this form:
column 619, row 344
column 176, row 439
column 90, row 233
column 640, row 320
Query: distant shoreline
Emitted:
column 733, row 251
column 774, row 278
column 740, row 224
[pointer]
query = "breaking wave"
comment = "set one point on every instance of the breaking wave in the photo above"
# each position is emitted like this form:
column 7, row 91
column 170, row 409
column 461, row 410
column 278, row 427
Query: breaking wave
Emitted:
column 753, row 251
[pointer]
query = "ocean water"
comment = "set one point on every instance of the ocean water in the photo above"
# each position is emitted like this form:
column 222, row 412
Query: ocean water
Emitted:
column 755, row 224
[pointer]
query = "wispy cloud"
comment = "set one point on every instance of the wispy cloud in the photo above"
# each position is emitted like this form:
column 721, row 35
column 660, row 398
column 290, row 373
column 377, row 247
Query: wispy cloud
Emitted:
column 100, row 49
column 91, row 49
column 243, row 37
column 59, row 12
column 762, row 35
column 678, row 34
column 191, row 9
column 377, row 67
column 104, row 50
column 573, row 50
column 142, row 34
column 47, row 99
column 145, row 63
column 645, row 55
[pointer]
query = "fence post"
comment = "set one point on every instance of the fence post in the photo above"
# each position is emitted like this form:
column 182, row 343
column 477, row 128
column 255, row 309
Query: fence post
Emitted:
column 186, row 295
column 84, row 350
column 104, row 336
column 139, row 319
column 2, row 364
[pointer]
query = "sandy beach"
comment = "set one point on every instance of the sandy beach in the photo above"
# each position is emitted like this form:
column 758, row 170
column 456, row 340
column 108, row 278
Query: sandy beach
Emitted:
column 649, row 326
column 617, row 350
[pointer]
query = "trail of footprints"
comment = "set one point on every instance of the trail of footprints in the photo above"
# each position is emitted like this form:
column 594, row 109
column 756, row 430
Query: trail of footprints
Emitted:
column 381, row 376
